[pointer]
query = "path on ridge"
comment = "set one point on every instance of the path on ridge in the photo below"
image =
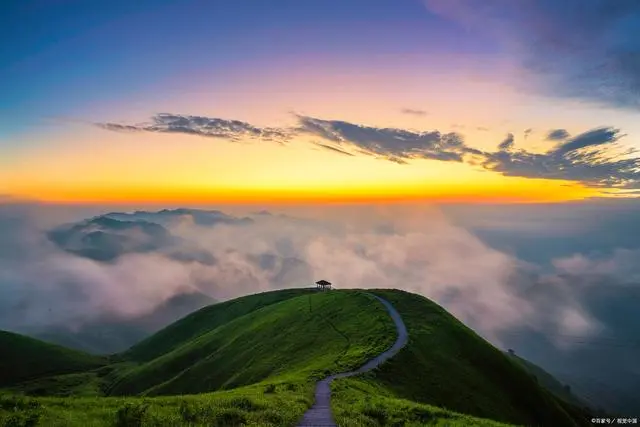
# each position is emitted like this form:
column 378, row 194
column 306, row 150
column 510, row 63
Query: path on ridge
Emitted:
column 320, row 413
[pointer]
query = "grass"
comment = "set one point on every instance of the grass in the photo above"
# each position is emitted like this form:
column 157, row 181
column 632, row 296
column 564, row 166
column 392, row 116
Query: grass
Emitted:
column 92, row 383
column 300, row 338
column 205, row 320
column 244, row 406
column 25, row 358
column 548, row 381
column 266, row 349
column 254, row 361
column 362, row 402
column 445, row 364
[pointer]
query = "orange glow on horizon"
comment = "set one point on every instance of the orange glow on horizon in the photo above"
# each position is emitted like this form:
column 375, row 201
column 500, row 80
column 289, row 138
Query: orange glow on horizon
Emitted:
column 537, row 191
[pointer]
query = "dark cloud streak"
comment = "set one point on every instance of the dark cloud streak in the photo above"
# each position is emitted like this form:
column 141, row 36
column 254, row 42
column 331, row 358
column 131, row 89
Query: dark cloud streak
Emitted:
column 507, row 144
column 586, row 158
column 388, row 143
column 557, row 135
column 233, row 130
column 334, row 149
column 592, row 158
column 414, row 112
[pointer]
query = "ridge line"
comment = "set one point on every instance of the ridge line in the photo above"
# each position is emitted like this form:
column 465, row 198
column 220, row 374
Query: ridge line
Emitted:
column 320, row 413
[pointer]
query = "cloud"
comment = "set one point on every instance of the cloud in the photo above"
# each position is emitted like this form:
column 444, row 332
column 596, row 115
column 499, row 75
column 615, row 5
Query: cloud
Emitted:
column 594, row 137
column 527, row 132
column 233, row 130
column 589, row 158
column 582, row 49
column 397, row 145
column 334, row 149
column 507, row 143
column 44, row 286
column 116, row 127
column 392, row 144
column 557, row 135
column 414, row 112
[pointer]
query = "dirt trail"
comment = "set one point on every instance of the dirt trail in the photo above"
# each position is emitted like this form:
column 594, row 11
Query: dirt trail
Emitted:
column 319, row 415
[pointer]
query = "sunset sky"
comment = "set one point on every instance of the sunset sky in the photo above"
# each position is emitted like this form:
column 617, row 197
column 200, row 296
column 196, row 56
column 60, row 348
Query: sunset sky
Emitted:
column 319, row 100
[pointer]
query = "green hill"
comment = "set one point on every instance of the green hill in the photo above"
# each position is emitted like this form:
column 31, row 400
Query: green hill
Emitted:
column 446, row 364
column 301, row 337
column 23, row 358
column 259, row 355
column 205, row 320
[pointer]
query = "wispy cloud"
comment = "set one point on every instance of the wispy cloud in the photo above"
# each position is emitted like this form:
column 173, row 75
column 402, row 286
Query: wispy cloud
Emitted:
column 234, row 130
column 397, row 145
column 590, row 158
column 593, row 158
column 507, row 143
column 557, row 135
column 334, row 149
column 414, row 112
column 393, row 144
column 583, row 49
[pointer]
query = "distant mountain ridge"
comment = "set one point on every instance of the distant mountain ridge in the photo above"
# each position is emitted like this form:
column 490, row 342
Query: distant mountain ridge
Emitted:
column 107, row 237
column 198, row 216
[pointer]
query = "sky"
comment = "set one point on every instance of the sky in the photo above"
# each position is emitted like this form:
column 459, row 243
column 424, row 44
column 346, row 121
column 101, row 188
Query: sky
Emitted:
column 319, row 101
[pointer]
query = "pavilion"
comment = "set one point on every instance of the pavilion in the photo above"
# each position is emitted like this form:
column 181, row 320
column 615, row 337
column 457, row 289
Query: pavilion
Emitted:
column 323, row 285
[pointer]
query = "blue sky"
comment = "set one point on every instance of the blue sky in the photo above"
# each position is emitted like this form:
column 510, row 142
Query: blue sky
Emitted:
column 64, row 55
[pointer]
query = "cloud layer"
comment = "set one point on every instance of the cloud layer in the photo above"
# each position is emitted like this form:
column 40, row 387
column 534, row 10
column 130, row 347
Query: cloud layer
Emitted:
column 44, row 282
column 593, row 158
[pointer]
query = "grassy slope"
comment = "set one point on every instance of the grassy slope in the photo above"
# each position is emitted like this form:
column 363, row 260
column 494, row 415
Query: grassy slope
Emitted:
column 363, row 402
column 23, row 358
column 253, row 405
column 205, row 320
column 279, row 341
column 447, row 365
column 548, row 381
column 296, row 339
column 308, row 335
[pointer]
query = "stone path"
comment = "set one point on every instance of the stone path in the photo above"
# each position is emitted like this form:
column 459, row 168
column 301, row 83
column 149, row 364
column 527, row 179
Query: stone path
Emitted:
column 319, row 415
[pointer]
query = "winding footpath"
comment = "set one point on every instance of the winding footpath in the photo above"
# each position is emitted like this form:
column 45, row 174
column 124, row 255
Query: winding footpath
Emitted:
column 319, row 415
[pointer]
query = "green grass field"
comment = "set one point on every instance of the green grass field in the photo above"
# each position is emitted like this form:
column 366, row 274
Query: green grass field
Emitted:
column 363, row 402
column 25, row 358
column 263, row 404
column 446, row 364
column 254, row 361
column 301, row 338
column 205, row 320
